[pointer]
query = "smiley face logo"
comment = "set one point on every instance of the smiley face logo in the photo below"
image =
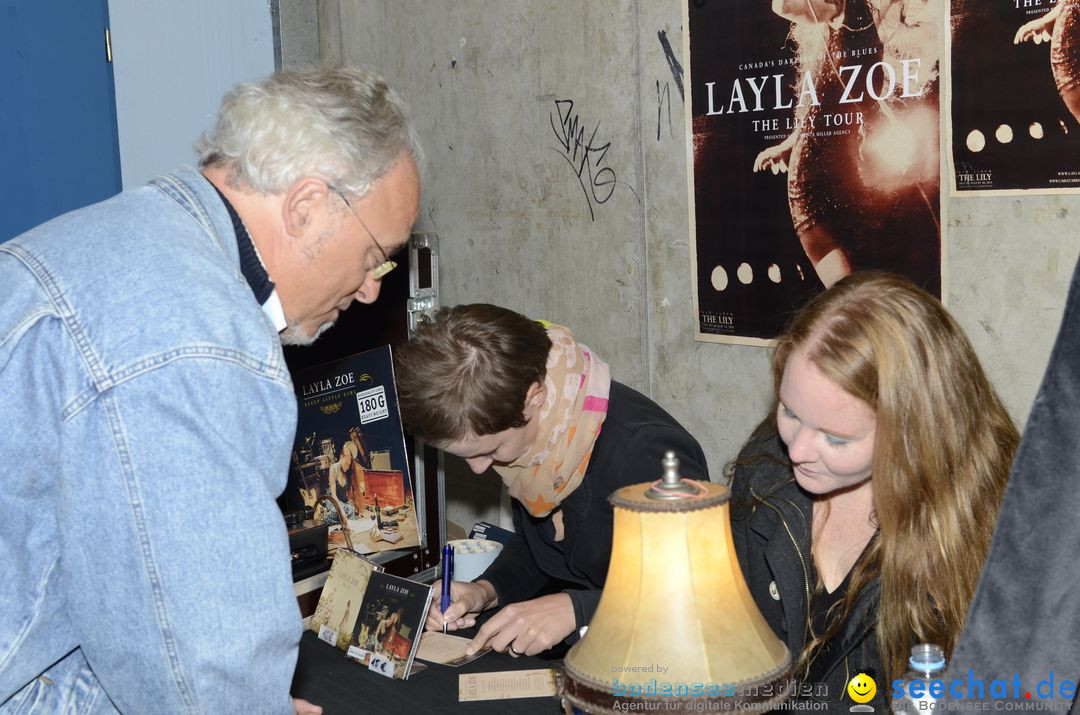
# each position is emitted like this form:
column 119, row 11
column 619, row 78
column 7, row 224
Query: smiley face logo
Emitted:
column 862, row 688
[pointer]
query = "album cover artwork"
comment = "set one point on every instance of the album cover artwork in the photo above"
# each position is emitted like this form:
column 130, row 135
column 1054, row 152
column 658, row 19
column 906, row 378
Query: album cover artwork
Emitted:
column 334, row 619
column 349, row 461
column 389, row 624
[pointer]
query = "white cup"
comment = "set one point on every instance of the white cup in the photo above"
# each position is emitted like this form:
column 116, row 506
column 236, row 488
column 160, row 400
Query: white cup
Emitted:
column 473, row 556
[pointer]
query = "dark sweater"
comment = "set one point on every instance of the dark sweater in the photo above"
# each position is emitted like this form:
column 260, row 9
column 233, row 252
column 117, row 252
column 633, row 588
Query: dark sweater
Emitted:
column 632, row 442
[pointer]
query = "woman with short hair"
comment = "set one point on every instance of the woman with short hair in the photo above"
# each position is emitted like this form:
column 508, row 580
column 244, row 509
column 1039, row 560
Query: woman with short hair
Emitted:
column 525, row 398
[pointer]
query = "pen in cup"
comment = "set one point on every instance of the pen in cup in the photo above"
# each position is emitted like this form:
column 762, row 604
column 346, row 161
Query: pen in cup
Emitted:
column 447, row 576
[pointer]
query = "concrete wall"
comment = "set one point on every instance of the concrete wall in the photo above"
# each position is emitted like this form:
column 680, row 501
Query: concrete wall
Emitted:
column 297, row 25
column 490, row 84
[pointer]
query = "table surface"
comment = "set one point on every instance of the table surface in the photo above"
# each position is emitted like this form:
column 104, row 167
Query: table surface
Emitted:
column 325, row 677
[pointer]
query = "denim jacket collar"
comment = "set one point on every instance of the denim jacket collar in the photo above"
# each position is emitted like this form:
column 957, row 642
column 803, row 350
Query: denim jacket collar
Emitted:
column 194, row 193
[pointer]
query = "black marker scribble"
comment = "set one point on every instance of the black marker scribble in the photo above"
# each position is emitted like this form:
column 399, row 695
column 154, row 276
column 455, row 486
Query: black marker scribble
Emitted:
column 673, row 62
column 663, row 97
column 584, row 156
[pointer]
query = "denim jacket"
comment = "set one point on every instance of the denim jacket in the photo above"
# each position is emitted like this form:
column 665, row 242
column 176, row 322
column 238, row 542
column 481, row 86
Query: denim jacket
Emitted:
column 147, row 416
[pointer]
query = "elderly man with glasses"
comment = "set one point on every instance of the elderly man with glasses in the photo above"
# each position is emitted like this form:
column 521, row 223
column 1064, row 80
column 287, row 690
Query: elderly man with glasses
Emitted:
column 152, row 573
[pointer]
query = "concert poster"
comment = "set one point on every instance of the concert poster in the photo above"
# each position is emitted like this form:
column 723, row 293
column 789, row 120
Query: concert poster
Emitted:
column 815, row 152
column 1014, row 96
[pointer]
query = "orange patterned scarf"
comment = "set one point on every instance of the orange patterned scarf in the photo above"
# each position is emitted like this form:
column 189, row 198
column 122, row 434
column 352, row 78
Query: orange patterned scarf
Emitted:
column 577, row 384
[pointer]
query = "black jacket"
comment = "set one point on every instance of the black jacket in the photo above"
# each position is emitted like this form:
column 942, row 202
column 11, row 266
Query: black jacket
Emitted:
column 771, row 520
column 631, row 445
column 1024, row 621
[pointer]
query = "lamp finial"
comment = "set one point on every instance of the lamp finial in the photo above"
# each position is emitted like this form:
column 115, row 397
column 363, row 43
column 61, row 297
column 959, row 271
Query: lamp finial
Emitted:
column 671, row 485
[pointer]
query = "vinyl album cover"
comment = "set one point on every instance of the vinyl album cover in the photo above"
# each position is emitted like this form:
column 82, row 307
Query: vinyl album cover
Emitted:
column 814, row 152
column 334, row 619
column 390, row 623
column 349, row 461
column 1014, row 96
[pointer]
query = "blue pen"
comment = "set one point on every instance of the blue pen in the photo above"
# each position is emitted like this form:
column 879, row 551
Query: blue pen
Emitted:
column 447, row 576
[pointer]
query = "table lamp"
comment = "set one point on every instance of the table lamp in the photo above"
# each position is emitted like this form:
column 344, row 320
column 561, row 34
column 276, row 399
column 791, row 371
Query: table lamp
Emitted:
column 675, row 599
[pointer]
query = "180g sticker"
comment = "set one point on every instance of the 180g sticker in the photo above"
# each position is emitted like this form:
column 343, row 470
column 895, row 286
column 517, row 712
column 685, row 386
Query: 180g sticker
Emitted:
column 372, row 404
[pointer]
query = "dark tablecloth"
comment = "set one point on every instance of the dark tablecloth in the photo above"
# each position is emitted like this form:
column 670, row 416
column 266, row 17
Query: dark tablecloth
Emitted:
column 325, row 677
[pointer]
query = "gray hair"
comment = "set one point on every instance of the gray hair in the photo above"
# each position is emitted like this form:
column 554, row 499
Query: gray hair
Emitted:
column 341, row 124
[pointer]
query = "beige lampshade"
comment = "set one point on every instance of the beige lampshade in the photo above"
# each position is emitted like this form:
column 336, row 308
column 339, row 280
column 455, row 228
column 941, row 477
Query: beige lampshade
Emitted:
column 675, row 610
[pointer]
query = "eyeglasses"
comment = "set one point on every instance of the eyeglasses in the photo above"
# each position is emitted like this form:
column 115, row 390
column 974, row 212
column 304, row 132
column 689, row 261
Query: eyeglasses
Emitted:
column 387, row 265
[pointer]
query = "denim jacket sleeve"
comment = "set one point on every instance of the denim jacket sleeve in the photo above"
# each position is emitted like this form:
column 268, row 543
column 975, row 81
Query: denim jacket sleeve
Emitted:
column 209, row 610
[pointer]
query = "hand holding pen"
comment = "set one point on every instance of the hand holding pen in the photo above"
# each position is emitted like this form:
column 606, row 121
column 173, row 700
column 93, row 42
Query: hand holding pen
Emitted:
column 447, row 579
column 467, row 600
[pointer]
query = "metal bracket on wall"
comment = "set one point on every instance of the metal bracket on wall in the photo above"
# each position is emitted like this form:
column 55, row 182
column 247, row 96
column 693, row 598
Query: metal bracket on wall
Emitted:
column 421, row 305
column 423, row 278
